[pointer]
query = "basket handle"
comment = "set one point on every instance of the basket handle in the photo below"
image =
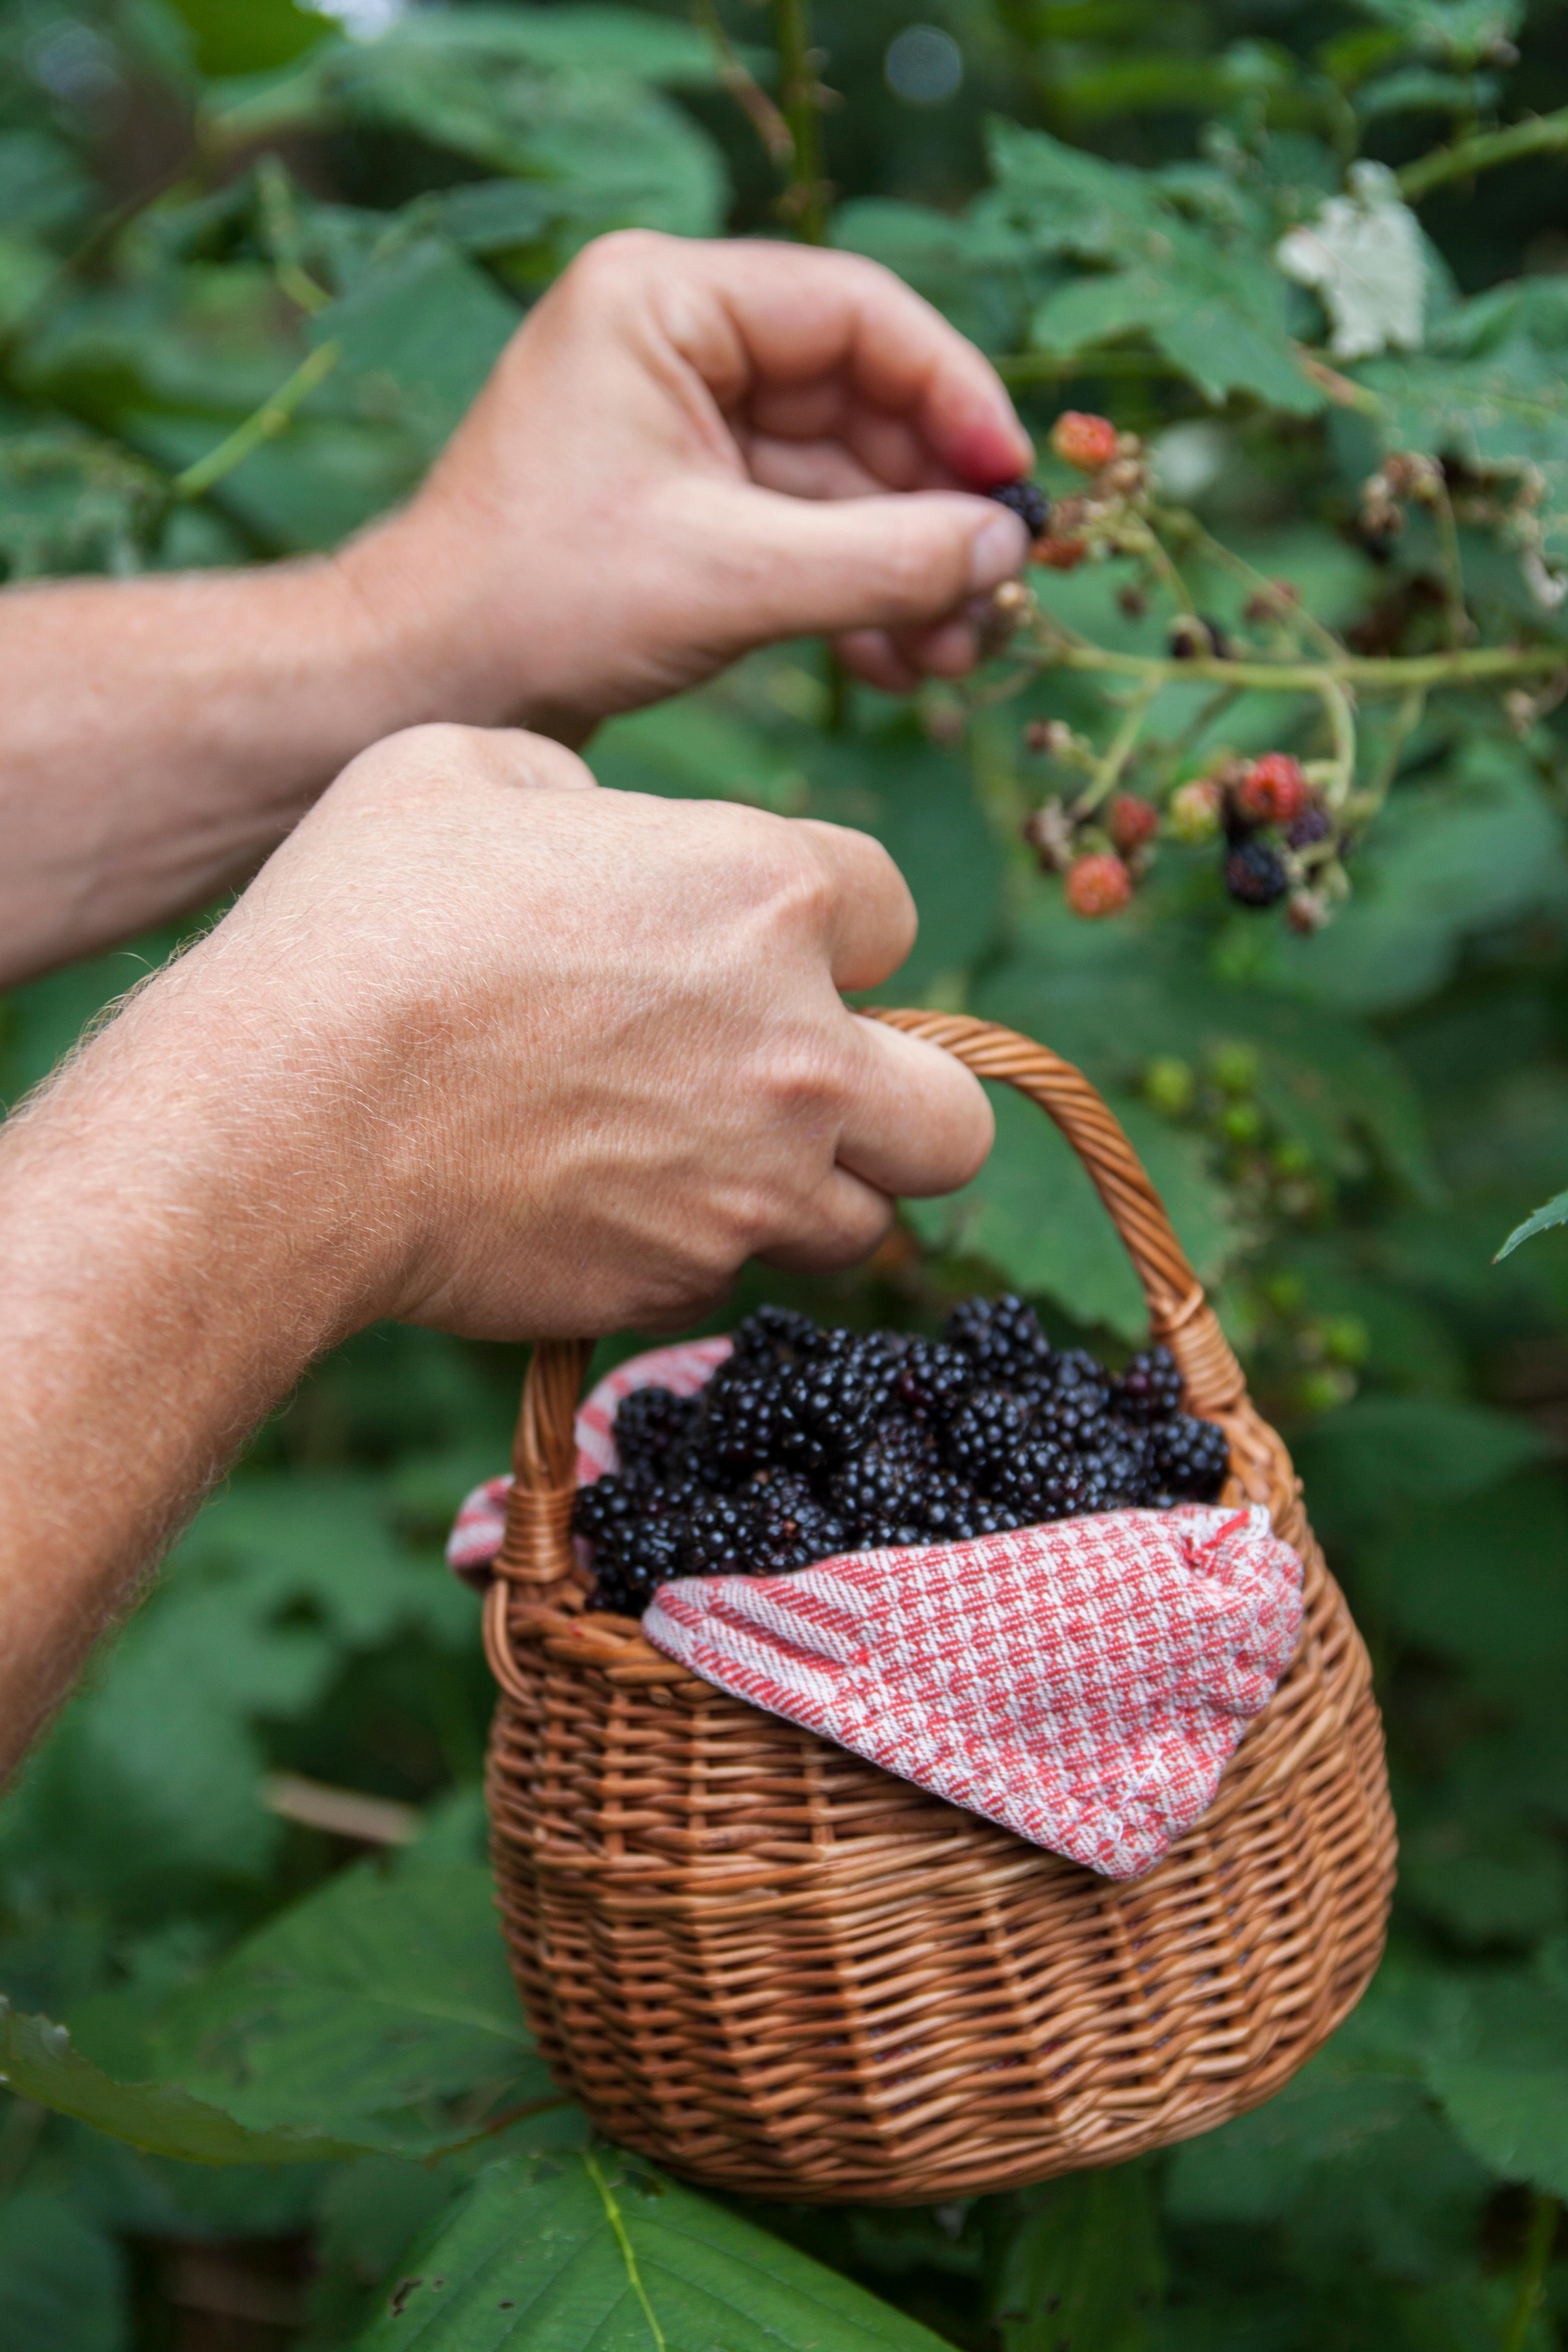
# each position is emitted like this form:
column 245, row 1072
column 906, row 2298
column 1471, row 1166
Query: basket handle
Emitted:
column 537, row 1548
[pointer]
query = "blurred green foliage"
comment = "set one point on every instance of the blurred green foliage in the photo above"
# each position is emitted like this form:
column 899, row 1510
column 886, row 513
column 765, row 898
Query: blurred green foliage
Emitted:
column 289, row 2060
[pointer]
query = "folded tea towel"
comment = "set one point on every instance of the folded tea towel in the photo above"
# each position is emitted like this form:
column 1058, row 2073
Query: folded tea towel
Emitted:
column 1082, row 1683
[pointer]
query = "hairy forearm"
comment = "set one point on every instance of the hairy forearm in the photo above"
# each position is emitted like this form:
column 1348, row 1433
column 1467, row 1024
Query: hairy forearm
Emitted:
column 162, row 735
column 173, row 1251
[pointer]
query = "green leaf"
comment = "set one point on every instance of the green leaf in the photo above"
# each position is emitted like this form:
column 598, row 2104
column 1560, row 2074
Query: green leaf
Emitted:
column 605, row 2250
column 62, row 2280
column 1381, row 1453
column 39, row 2062
column 1217, row 305
column 1467, row 31
column 1554, row 1213
column 1504, row 2081
column 1033, row 1213
column 380, row 2010
column 1079, row 2264
column 1478, row 848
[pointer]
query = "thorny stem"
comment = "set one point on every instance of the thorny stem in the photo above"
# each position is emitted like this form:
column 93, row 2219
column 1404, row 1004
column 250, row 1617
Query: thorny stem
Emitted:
column 1543, row 2216
column 805, row 199
column 264, row 424
column 1538, row 134
column 747, row 91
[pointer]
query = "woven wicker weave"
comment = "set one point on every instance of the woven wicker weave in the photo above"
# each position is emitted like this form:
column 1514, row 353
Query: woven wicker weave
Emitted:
column 780, row 1971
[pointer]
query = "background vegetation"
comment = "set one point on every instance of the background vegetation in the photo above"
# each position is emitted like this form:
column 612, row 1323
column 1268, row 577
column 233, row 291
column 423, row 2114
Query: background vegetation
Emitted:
column 252, row 267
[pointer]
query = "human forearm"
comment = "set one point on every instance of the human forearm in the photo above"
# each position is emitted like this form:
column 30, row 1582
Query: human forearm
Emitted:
column 175, row 1247
column 162, row 735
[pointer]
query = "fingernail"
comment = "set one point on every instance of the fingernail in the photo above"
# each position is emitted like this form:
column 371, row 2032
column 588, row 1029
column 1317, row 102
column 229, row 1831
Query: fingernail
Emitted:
column 997, row 552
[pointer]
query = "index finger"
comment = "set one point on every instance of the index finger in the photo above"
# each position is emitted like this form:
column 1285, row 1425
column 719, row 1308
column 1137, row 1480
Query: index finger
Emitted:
column 870, row 920
column 786, row 314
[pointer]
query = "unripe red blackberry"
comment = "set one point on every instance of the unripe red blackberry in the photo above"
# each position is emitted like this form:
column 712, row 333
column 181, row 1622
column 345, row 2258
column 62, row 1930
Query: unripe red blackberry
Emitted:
column 1098, row 885
column 1132, row 822
column 1195, row 810
column 1086, row 442
column 1254, row 874
column 1060, row 554
column 1272, row 790
column 1028, row 501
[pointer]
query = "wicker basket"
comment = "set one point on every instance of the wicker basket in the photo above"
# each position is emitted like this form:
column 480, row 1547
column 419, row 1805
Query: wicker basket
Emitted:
column 780, row 1971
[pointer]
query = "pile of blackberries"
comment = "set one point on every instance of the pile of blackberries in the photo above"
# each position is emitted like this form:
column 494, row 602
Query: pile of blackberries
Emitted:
column 807, row 1442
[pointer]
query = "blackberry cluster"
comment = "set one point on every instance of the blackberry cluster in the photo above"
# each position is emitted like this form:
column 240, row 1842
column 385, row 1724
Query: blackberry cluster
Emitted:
column 806, row 1443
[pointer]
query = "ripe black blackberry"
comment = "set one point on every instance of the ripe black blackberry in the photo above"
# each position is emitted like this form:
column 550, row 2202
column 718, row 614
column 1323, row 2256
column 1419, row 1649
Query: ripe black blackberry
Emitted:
column 1041, row 1481
column 933, row 1378
column 1189, row 1460
column 650, row 1424
column 830, row 1398
column 1254, row 874
column 884, row 1484
column 1150, row 1386
column 1028, row 501
column 984, row 1435
column 1003, row 1340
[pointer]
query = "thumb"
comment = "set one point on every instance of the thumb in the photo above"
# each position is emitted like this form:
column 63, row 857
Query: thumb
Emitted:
column 813, row 567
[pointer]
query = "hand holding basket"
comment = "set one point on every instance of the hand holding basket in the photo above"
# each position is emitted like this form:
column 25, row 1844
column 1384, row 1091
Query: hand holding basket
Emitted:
column 781, row 1971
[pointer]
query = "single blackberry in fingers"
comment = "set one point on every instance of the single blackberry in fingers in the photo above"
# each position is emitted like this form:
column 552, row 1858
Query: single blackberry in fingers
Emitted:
column 1028, row 501
column 773, row 1335
column 1150, row 1386
column 1189, row 1459
column 1254, row 874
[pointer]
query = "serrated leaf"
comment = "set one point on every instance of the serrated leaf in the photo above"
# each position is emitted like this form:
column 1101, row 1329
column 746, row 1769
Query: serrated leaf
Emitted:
column 381, row 2011
column 603, row 2250
column 1554, row 1213
column 38, row 2061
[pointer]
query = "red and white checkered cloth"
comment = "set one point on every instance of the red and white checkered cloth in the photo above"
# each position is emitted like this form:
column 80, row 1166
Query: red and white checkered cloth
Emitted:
column 1082, row 1683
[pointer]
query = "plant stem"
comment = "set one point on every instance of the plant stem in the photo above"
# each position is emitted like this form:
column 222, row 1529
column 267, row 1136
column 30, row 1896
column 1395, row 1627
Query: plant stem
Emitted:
column 1544, row 2213
column 264, row 424
column 746, row 90
column 1116, row 754
column 1378, row 674
column 1182, row 525
column 1538, row 134
column 1406, row 719
column 805, row 199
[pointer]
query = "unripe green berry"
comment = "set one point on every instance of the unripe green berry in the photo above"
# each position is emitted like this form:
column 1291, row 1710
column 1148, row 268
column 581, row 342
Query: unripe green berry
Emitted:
column 1285, row 1293
column 1236, row 1068
column 1346, row 1339
column 1195, row 810
column 1241, row 1122
column 1169, row 1085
